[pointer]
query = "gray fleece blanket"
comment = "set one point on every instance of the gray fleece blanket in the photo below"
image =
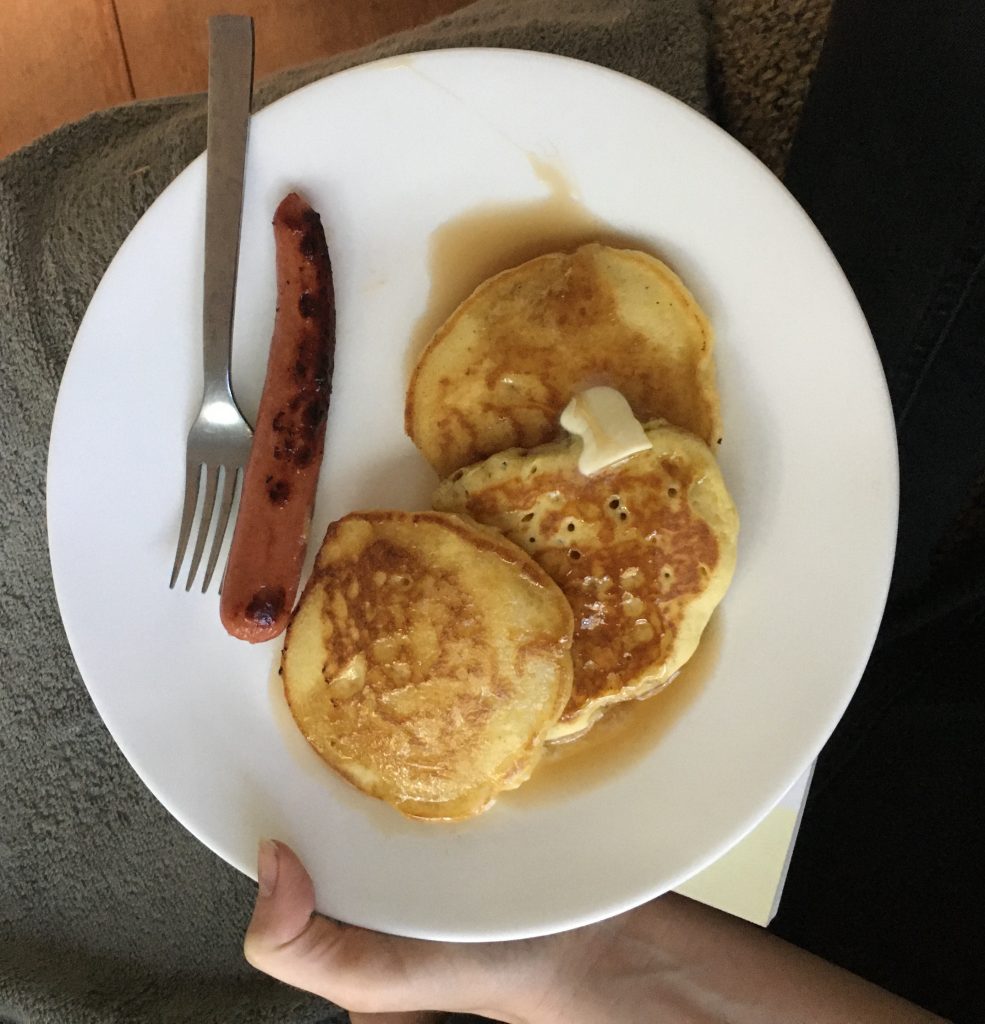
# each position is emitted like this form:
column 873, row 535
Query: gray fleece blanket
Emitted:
column 109, row 910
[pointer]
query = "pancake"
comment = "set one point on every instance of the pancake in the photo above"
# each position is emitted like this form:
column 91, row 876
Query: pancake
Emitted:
column 427, row 660
column 499, row 371
column 643, row 550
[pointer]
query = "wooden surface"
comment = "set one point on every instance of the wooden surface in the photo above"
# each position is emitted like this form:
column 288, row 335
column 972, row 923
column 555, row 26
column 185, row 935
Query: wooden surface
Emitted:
column 288, row 32
column 61, row 59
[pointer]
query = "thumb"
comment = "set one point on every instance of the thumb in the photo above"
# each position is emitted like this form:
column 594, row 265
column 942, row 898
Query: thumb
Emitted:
column 356, row 968
column 285, row 898
column 422, row 1017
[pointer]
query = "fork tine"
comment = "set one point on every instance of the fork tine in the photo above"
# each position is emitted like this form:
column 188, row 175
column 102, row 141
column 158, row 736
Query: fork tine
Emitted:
column 211, row 480
column 238, row 479
column 229, row 474
column 193, row 477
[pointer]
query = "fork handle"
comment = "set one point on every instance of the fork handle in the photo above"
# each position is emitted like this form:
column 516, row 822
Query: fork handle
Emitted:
column 230, row 97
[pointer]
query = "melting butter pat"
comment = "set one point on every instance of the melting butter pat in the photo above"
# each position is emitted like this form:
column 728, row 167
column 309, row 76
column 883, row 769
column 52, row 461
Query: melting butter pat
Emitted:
column 609, row 431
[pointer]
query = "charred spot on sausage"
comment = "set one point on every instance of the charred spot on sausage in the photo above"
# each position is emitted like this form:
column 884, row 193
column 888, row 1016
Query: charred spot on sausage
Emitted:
column 323, row 369
column 314, row 413
column 307, row 305
column 309, row 244
column 278, row 492
column 265, row 606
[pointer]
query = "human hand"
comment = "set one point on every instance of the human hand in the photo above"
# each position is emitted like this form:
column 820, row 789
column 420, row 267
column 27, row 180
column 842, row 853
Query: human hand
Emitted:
column 371, row 973
column 670, row 959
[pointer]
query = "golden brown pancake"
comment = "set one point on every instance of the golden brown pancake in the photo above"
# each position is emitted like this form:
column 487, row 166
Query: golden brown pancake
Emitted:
column 427, row 660
column 499, row 371
column 643, row 550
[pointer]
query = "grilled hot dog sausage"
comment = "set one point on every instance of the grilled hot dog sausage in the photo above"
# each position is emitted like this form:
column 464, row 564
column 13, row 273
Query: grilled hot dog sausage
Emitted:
column 270, row 539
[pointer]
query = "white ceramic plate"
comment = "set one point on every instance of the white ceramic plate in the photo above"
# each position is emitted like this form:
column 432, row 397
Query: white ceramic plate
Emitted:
column 446, row 165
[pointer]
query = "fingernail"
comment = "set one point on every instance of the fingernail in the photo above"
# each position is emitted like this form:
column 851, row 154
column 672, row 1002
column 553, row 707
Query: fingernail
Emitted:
column 267, row 864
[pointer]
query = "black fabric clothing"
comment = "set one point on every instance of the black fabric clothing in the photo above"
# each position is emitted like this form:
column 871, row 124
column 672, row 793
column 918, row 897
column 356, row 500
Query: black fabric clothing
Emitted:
column 888, row 874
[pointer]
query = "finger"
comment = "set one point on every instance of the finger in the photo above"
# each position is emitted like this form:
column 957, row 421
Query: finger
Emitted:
column 353, row 967
column 285, row 938
column 280, row 920
column 421, row 1017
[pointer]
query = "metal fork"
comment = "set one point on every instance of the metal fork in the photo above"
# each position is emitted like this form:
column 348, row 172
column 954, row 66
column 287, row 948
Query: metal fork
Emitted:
column 219, row 439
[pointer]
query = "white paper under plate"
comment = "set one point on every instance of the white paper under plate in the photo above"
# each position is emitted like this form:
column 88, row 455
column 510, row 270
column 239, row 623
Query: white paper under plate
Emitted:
column 748, row 879
column 394, row 156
